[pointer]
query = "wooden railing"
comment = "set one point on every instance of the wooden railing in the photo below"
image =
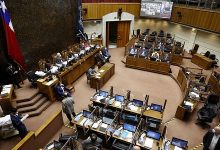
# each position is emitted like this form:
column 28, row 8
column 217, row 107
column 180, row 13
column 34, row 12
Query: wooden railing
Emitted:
column 129, row 44
column 38, row 139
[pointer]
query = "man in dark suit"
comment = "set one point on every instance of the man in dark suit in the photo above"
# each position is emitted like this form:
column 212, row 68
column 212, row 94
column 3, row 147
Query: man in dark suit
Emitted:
column 13, row 74
column 18, row 124
column 211, row 140
column 62, row 91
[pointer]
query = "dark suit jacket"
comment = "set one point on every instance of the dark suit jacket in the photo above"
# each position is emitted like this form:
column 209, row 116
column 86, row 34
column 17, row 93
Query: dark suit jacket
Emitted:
column 207, row 139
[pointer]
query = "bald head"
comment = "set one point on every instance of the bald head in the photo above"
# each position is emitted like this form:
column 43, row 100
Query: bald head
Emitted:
column 136, row 147
column 217, row 130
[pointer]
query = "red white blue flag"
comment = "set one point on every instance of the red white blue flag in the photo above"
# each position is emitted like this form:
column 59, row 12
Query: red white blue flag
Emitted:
column 14, row 51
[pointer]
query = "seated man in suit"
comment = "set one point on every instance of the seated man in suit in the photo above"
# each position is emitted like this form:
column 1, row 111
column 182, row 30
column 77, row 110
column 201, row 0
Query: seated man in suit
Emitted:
column 144, row 52
column 211, row 140
column 62, row 91
column 132, row 51
column 105, row 53
column 155, row 56
column 92, row 71
column 59, row 61
column 101, row 59
column 166, row 57
column 91, row 142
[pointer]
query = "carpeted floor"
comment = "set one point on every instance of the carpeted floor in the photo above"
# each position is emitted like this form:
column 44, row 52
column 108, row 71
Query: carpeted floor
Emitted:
column 158, row 87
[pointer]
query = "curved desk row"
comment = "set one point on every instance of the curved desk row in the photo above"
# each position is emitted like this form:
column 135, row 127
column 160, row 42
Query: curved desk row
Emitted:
column 148, row 65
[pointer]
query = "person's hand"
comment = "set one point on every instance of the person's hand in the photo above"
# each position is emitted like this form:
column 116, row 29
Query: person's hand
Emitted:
column 15, row 72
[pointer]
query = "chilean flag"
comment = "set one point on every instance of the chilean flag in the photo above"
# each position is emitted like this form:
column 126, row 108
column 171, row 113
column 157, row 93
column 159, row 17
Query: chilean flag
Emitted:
column 14, row 51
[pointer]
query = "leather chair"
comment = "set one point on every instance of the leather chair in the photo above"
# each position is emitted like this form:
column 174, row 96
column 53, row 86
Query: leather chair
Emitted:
column 32, row 77
column 120, row 145
column 208, row 111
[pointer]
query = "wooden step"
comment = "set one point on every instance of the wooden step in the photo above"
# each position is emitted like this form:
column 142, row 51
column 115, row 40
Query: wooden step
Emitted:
column 39, row 110
column 26, row 99
column 30, row 102
column 39, row 103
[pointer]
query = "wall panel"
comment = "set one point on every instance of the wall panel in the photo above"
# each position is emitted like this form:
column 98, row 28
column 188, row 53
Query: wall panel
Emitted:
column 199, row 18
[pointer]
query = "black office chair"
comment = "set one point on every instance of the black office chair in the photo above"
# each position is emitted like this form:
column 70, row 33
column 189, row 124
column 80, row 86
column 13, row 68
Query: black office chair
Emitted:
column 32, row 77
column 208, row 111
column 120, row 145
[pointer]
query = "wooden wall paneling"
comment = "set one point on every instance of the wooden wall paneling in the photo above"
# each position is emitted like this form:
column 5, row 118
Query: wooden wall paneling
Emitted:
column 200, row 18
column 214, row 25
column 133, row 9
column 92, row 11
column 97, row 10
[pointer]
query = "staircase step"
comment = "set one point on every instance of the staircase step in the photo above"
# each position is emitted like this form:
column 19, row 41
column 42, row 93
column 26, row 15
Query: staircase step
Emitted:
column 33, row 107
column 39, row 110
column 30, row 102
column 26, row 99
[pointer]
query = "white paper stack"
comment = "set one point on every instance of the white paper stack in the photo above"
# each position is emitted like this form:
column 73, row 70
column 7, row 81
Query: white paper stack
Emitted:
column 149, row 142
column 177, row 148
column 104, row 125
column 117, row 104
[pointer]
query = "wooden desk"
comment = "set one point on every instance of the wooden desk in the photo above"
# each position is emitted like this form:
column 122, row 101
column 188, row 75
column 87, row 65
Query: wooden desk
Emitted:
column 47, row 87
column 6, row 100
column 138, row 112
column 156, row 144
column 73, row 72
column 145, row 64
column 214, row 82
column 97, row 41
column 176, row 59
column 182, row 112
column 202, row 61
column 182, row 80
column 153, row 114
column 106, row 72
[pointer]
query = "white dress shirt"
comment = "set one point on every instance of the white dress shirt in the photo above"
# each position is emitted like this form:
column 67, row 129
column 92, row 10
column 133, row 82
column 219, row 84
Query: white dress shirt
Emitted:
column 214, row 142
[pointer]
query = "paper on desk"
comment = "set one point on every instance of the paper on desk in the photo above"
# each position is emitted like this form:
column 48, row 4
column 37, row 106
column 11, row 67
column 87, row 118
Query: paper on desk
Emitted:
column 117, row 104
column 149, row 142
column 50, row 82
column 134, row 108
column 5, row 92
column 97, row 74
column 189, row 103
column 82, row 122
column 95, row 125
column 7, row 86
column 104, row 125
column 101, row 71
column 177, row 148
column 88, row 122
column 78, row 117
column 98, row 77
column 98, row 98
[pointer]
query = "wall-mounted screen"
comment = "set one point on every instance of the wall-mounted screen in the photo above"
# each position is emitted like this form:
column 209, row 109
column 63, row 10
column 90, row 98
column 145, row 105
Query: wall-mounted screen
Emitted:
column 156, row 9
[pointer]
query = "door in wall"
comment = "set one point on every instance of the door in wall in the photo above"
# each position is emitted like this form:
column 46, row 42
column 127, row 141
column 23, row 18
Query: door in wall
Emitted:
column 117, row 33
column 123, row 31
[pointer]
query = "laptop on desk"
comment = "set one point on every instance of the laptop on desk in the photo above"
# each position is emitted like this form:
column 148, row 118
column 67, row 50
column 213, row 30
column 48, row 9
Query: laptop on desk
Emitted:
column 137, row 102
column 154, row 135
column 119, row 98
column 103, row 93
column 128, row 131
column 156, row 107
column 179, row 143
column 108, row 117
column 86, row 113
